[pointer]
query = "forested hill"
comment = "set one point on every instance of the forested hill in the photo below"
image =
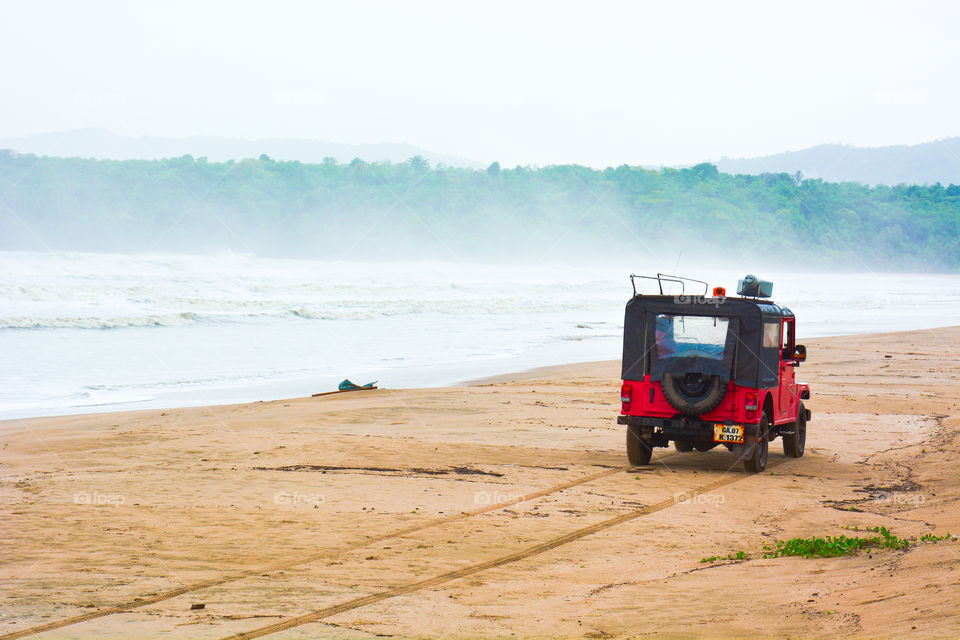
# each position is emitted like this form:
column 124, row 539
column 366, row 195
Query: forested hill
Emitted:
column 412, row 210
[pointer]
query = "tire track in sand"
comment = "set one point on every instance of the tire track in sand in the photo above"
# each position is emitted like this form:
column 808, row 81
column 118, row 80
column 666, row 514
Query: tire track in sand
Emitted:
column 240, row 575
column 437, row 580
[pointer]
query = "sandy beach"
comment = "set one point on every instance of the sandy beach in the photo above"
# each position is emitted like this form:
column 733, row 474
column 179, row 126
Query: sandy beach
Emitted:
column 502, row 508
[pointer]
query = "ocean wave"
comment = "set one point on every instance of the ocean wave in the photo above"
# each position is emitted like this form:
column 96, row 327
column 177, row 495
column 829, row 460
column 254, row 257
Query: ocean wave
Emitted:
column 339, row 311
column 319, row 314
column 100, row 291
column 87, row 322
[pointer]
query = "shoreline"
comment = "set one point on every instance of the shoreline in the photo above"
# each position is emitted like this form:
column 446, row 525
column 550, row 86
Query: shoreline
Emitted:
column 512, row 375
column 118, row 408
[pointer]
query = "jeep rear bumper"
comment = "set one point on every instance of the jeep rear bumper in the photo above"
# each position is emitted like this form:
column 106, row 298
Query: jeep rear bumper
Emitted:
column 660, row 431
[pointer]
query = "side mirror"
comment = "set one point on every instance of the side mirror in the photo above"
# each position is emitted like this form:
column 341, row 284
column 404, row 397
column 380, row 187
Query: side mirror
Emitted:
column 800, row 353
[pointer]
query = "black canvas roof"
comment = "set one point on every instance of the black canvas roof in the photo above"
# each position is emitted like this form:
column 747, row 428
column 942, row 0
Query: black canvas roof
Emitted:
column 746, row 360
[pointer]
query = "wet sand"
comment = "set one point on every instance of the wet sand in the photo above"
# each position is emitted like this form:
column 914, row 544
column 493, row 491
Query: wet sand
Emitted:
column 504, row 508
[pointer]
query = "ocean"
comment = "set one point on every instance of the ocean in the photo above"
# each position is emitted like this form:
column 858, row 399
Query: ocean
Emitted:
column 105, row 332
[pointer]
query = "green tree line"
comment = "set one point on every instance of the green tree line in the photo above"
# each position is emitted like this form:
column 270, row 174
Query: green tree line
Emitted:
column 362, row 210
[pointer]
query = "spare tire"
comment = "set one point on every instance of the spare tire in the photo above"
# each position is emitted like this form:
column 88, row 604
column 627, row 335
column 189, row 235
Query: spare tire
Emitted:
column 693, row 394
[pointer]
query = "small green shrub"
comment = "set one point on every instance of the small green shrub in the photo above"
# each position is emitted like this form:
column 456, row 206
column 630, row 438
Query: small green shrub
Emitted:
column 739, row 555
column 929, row 537
column 833, row 546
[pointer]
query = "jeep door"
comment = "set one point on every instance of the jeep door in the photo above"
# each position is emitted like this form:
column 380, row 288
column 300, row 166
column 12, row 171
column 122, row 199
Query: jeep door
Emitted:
column 787, row 392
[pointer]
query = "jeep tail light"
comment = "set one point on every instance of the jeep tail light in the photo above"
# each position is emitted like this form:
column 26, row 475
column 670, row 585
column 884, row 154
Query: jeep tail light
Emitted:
column 626, row 395
column 750, row 401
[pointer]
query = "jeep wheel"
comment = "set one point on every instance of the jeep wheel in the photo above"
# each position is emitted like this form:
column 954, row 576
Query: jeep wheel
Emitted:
column 638, row 451
column 757, row 462
column 793, row 444
column 693, row 394
column 682, row 446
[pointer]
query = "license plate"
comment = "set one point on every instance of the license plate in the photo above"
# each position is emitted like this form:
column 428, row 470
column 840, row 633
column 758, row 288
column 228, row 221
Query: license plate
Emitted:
column 728, row 433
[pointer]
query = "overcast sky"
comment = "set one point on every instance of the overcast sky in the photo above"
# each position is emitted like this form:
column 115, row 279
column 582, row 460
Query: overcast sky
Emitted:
column 520, row 82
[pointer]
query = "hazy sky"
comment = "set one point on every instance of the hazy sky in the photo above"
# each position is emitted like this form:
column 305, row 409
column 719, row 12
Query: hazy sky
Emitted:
column 521, row 82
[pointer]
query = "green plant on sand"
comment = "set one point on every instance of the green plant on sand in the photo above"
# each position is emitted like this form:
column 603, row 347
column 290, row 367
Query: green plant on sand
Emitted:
column 834, row 546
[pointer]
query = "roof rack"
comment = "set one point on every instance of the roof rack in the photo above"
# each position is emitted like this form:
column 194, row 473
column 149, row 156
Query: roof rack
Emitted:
column 665, row 277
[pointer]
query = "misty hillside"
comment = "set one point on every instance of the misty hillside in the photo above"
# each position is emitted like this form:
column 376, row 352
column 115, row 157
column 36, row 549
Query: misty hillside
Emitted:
column 927, row 163
column 414, row 211
column 103, row 145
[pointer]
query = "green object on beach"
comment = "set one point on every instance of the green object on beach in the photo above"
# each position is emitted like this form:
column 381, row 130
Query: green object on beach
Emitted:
column 346, row 385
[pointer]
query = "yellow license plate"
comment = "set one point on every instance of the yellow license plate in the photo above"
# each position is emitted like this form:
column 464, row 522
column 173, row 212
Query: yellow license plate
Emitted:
column 728, row 433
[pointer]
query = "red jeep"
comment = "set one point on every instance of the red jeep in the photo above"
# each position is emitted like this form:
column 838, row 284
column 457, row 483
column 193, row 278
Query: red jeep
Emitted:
column 702, row 371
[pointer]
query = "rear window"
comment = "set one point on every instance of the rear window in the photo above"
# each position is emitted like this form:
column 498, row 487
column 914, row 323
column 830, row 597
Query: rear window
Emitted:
column 691, row 336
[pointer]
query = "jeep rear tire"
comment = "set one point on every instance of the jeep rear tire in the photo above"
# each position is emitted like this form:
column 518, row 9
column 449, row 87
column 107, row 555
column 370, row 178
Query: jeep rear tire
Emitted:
column 757, row 461
column 682, row 446
column 638, row 451
column 693, row 400
column 794, row 443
